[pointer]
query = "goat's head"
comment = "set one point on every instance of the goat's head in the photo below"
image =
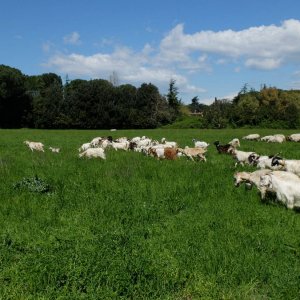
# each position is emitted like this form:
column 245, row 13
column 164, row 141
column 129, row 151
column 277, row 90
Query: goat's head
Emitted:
column 253, row 159
column 241, row 177
column 132, row 145
column 277, row 161
column 237, row 179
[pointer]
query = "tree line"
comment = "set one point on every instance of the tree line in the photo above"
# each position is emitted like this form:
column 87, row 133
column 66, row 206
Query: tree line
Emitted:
column 269, row 107
column 43, row 101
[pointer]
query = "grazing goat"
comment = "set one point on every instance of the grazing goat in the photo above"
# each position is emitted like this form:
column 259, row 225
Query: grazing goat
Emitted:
column 193, row 152
column 120, row 145
column 290, row 165
column 266, row 138
column 252, row 137
column 276, row 139
column 169, row 144
column 55, row 150
column 135, row 139
column 251, row 179
column 93, row 152
column 144, row 142
column 222, row 148
column 286, row 185
column 242, row 157
column 294, row 137
column 121, row 140
column 200, row 144
column 263, row 162
column 35, row 146
column 164, row 153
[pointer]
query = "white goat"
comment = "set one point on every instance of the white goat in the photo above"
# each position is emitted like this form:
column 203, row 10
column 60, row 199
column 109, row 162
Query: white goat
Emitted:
column 160, row 146
column 135, row 139
column 235, row 143
column 281, row 136
column 251, row 179
column 170, row 144
column 286, row 185
column 55, row 150
column 252, row 137
column 200, row 144
column 266, row 138
column 121, row 140
column 265, row 162
column 120, row 145
column 276, row 139
column 93, row 152
column 35, row 146
column 290, row 165
column 143, row 142
column 294, row 137
column 242, row 157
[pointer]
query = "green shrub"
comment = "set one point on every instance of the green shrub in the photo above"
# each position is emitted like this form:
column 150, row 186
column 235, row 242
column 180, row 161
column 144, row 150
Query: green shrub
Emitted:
column 33, row 184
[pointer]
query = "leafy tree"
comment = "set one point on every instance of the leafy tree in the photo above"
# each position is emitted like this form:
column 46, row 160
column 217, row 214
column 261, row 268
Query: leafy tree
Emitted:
column 148, row 103
column 172, row 98
column 217, row 114
column 247, row 109
column 46, row 91
column 14, row 102
column 194, row 106
column 125, row 110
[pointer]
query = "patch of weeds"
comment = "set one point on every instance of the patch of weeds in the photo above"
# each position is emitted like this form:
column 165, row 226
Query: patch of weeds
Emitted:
column 33, row 184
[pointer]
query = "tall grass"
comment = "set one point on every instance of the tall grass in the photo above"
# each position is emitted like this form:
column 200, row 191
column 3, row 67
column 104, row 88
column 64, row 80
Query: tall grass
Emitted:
column 134, row 227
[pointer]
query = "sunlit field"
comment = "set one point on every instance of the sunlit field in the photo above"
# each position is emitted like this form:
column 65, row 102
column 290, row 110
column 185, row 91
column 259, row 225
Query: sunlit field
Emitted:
column 132, row 227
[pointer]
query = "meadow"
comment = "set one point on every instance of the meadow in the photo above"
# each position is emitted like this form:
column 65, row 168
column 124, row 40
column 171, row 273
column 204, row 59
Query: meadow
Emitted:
column 132, row 227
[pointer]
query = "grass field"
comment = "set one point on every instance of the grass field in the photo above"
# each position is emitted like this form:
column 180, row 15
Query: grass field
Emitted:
column 132, row 227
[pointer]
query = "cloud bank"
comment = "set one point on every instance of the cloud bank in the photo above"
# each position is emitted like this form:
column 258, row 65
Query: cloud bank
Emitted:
column 180, row 55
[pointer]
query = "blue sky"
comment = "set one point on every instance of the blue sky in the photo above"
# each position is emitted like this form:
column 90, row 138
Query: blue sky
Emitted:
column 211, row 48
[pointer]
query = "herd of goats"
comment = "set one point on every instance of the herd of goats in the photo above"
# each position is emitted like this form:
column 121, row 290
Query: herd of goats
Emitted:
column 275, row 175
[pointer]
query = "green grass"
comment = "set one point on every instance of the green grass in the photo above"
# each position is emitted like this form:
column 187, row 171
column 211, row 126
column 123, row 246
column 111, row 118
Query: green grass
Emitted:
column 132, row 227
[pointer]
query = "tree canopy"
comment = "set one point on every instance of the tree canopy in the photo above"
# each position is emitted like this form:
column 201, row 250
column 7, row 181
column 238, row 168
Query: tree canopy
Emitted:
column 43, row 101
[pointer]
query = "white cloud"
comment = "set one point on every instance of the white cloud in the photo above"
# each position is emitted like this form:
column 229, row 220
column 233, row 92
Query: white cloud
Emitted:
column 133, row 67
column 269, row 45
column 181, row 55
column 72, row 39
column 263, row 63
